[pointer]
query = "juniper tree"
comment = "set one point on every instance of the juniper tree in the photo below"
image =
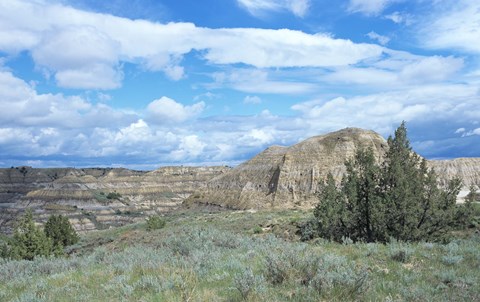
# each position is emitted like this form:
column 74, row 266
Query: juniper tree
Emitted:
column 331, row 220
column 59, row 229
column 416, row 207
column 400, row 198
column 29, row 241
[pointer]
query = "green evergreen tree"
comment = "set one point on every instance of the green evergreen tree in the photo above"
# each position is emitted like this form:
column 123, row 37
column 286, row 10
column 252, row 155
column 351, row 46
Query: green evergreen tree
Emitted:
column 416, row 208
column 399, row 199
column 59, row 229
column 360, row 186
column 29, row 241
column 331, row 220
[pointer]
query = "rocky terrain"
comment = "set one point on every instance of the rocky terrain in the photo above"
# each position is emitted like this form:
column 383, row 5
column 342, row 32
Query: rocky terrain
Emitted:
column 288, row 177
column 97, row 198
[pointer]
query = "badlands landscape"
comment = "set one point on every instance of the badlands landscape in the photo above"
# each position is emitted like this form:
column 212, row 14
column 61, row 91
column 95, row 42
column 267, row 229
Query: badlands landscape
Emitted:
column 278, row 178
column 230, row 234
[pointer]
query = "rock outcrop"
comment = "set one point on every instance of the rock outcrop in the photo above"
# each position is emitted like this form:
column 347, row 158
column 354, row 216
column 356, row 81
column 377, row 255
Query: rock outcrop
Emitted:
column 288, row 177
column 97, row 198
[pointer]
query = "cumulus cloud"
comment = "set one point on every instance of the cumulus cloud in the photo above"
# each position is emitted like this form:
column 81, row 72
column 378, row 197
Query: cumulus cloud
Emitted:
column 256, row 7
column 382, row 110
column 106, row 136
column 456, row 27
column 168, row 110
column 252, row 100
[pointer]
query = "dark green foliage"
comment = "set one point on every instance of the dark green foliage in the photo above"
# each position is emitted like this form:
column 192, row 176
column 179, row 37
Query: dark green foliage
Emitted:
column 59, row 229
column 257, row 230
column 114, row 195
column 28, row 241
column 155, row 222
column 399, row 198
column 466, row 212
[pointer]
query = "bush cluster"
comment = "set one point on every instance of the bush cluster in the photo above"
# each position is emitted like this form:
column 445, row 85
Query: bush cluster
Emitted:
column 30, row 241
column 155, row 222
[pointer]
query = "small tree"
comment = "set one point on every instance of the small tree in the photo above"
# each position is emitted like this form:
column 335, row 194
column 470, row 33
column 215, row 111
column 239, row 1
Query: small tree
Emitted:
column 59, row 229
column 29, row 241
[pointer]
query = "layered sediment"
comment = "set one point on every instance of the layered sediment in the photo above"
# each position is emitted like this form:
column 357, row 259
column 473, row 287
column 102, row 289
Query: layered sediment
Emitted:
column 97, row 198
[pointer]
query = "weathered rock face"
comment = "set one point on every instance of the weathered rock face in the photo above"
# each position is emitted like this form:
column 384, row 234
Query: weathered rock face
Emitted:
column 288, row 177
column 467, row 169
column 86, row 195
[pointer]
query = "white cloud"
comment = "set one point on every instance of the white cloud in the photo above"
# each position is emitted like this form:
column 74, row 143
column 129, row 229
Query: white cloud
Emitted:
column 434, row 68
column 382, row 110
column 381, row 39
column 397, row 71
column 256, row 7
column 167, row 110
column 86, row 50
column 368, row 7
column 266, row 48
column 400, row 18
column 472, row 132
column 454, row 27
column 460, row 130
column 190, row 147
column 259, row 81
column 252, row 100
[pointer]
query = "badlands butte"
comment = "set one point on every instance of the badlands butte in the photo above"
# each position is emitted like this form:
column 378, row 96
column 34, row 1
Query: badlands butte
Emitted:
column 279, row 177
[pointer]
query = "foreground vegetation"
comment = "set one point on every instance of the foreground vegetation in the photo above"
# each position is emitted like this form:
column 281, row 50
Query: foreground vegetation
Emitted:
column 235, row 256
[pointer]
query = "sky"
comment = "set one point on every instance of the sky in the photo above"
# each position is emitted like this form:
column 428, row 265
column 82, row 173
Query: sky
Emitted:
column 148, row 83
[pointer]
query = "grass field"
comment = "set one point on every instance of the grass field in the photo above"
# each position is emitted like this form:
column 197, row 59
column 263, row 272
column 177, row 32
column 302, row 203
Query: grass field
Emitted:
column 244, row 256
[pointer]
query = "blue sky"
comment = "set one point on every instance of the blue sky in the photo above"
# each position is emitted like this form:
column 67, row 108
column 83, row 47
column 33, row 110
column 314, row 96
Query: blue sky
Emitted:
column 145, row 83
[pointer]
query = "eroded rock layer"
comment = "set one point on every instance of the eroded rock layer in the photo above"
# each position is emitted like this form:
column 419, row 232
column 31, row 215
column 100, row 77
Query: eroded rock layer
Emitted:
column 286, row 177
column 97, row 198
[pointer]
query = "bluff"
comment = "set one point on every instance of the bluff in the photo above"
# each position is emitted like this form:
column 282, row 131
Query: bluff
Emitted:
column 289, row 177
column 97, row 198
column 286, row 177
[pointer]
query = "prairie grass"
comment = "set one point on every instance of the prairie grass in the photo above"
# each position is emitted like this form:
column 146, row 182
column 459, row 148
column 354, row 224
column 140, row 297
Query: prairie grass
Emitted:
column 217, row 257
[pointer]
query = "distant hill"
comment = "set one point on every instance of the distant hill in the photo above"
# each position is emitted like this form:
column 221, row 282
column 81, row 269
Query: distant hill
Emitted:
column 97, row 198
column 288, row 177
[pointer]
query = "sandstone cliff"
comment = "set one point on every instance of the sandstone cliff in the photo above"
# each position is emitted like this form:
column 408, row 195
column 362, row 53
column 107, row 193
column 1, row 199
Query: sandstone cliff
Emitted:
column 97, row 197
column 288, row 177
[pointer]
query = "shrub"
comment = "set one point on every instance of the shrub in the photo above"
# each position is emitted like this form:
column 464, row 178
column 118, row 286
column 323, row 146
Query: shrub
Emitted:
column 155, row 222
column 399, row 252
column 276, row 269
column 247, row 283
column 59, row 229
column 257, row 230
column 28, row 240
column 114, row 195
